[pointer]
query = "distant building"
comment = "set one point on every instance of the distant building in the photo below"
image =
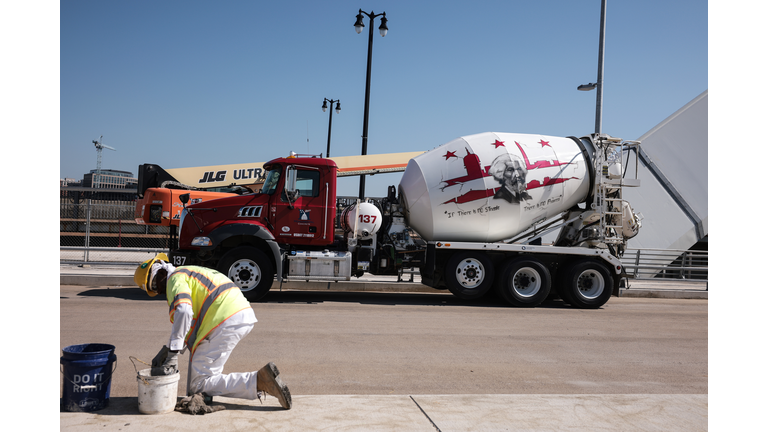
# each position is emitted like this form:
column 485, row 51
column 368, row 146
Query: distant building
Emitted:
column 110, row 179
column 109, row 185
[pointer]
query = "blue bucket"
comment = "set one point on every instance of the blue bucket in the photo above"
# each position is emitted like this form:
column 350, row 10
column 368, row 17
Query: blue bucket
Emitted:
column 87, row 376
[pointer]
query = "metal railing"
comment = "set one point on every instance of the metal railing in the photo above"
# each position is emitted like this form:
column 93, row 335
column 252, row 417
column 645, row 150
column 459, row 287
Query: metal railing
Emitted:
column 659, row 264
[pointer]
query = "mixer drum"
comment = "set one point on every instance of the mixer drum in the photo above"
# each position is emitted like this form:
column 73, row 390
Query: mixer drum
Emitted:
column 493, row 186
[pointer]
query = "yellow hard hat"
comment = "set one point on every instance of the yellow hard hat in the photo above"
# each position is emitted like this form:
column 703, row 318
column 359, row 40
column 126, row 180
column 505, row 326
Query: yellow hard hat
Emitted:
column 143, row 272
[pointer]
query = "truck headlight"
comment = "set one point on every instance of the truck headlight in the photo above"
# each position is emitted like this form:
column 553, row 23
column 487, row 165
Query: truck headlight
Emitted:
column 202, row 241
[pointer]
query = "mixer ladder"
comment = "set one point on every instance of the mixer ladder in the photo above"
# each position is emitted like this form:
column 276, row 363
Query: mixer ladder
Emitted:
column 611, row 216
column 609, row 200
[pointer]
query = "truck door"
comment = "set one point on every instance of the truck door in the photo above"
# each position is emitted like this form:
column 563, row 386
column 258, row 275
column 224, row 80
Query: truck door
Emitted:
column 299, row 218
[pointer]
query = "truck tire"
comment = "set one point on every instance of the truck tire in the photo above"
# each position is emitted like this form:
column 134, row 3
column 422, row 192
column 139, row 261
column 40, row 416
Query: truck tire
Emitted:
column 524, row 282
column 250, row 269
column 586, row 284
column 469, row 275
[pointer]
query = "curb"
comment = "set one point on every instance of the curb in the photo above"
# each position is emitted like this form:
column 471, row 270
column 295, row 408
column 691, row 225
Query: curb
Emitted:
column 662, row 293
column 94, row 280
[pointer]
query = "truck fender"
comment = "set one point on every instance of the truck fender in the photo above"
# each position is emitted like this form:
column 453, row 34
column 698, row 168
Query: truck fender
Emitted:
column 222, row 233
column 256, row 230
column 278, row 259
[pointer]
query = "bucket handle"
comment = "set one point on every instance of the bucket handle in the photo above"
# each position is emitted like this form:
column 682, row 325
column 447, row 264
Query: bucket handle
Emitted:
column 88, row 387
column 132, row 358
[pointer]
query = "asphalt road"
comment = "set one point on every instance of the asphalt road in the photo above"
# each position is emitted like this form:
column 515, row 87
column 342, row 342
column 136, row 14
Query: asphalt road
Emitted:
column 328, row 343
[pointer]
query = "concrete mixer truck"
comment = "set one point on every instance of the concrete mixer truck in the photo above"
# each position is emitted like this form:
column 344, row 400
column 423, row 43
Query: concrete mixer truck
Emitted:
column 529, row 216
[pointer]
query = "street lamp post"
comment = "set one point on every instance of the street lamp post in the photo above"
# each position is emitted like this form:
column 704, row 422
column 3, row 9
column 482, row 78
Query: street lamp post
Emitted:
column 383, row 31
column 599, row 84
column 330, row 120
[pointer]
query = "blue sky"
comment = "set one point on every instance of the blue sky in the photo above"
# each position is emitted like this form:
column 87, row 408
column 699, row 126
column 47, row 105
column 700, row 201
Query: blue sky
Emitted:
column 195, row 83
column 190, row 83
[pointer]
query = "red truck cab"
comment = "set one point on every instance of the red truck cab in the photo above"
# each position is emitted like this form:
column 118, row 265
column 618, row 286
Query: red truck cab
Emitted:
column 245, row 236
column 302, row 216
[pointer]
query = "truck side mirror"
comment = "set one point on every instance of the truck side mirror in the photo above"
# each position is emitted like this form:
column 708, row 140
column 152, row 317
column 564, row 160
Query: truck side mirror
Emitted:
column 184, row 198
column 290, row 184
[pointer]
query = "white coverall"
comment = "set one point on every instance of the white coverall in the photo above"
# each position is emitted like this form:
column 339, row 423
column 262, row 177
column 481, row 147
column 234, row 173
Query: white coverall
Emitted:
column 212, row 353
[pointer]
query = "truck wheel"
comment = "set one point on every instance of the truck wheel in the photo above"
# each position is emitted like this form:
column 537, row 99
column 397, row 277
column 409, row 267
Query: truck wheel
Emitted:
column 469, row 275
column 250, row 269
column 586, row 285
column 524, row 282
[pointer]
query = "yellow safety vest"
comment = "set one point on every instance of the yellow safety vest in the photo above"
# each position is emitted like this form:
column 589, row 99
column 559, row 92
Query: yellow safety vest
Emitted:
column 213, row 298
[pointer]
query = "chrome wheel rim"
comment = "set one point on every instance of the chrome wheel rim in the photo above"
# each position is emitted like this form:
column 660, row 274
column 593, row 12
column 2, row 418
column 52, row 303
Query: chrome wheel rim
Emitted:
column 590, row 284
column 526, row 282
column 470, row 273
column 245, row 273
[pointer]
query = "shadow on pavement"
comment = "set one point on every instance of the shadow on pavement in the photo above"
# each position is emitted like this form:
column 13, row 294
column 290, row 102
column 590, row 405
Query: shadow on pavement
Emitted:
column 119, row 406
column 127, row 293
column 393, row 299
column 313, row 297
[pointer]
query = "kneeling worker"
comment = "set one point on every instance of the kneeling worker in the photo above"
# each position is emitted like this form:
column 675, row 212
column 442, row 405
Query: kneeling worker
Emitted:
column 210, row 315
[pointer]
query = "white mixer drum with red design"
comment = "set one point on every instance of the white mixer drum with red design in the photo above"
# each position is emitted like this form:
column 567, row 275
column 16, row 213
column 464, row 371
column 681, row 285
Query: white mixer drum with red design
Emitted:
column 493, row 186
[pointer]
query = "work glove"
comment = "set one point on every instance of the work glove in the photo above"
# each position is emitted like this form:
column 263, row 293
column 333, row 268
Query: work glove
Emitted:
column 195, row 405
column 166, row 362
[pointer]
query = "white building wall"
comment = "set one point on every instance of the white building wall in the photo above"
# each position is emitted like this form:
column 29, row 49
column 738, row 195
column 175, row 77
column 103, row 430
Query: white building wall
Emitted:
column 678, row 152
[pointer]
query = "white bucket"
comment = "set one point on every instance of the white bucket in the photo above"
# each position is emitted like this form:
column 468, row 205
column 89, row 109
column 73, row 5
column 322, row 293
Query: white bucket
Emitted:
column 157, row 394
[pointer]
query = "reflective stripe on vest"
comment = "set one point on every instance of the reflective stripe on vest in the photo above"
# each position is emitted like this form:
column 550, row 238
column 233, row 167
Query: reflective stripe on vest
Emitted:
column 176, row 301
column 213, row 293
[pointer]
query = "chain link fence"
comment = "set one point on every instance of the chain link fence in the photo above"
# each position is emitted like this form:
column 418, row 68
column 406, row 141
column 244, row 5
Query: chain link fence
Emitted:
column 104, row 232
column 100, row 223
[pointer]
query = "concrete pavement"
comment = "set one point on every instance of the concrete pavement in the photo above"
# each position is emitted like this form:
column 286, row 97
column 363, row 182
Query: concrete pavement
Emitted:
column 459, row 412
column 428, row 413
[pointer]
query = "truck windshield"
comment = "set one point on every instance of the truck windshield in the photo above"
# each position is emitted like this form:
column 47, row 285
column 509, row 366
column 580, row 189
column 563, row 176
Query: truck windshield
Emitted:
column 270, row 184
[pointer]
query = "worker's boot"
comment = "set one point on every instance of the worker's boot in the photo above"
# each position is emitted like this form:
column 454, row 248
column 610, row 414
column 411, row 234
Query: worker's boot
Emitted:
column 267, row 380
